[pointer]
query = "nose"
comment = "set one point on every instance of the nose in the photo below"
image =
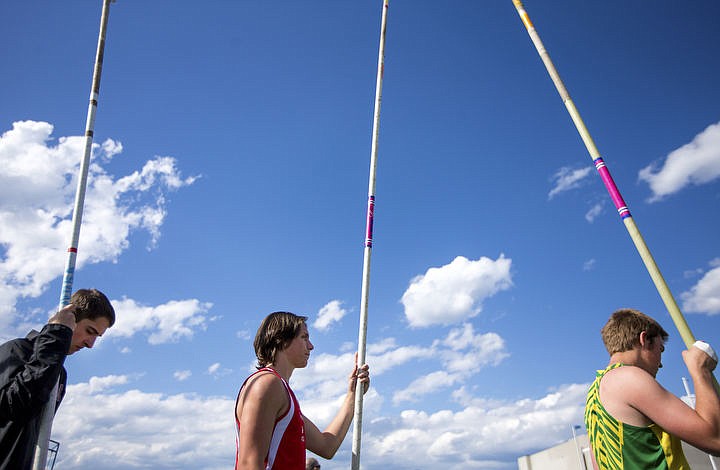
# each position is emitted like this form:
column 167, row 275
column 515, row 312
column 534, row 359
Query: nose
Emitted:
column 89, row 342
column 310, row 346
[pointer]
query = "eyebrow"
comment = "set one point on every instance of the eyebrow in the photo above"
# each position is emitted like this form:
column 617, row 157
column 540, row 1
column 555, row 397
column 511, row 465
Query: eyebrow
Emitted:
column 93, row 331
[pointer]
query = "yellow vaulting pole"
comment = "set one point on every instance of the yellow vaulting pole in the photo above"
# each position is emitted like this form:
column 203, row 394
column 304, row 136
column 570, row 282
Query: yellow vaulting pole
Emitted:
column 600, row 165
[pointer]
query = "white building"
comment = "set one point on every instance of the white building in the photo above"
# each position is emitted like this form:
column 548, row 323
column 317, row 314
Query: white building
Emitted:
column 574, row 454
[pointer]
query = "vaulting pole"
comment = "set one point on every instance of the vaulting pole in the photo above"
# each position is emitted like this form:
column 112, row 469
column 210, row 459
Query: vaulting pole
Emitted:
column 602, row 169
column 41, row 449
column 362, row 337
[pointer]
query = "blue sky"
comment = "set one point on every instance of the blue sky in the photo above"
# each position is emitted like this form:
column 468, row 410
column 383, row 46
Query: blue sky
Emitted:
column 229, row 180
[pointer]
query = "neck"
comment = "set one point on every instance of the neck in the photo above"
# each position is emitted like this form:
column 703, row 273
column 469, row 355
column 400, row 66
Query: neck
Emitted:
column 626, row 357
column 283, row 368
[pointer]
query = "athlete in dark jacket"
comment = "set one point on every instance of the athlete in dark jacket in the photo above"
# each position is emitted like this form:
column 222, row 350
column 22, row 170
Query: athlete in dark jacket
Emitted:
column 30, row 367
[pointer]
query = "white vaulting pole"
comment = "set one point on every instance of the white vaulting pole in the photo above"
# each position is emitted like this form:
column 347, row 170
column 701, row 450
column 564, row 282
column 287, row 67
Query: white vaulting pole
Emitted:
column 362, row 337
column 41, row 449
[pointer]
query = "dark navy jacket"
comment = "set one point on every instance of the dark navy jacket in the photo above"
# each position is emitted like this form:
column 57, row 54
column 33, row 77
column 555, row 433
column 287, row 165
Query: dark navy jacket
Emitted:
column 29, row 369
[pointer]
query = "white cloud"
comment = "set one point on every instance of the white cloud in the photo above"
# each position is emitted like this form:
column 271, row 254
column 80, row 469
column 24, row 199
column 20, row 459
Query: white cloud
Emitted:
column 38, row 180
column 105, row 423
column 566, row 179
column 589, row 265
column 467, row 352
column 164, row 323
column 330, row 313
column 99, row 427
column 695, row 163
column 458, row 356
column 691, row 273
column 244, row 335
column 482, row 434
column 400, row 355
column 425, row 384
column 456, row 291
column 704, row 297
column 181, row 375
column 99, row 384
column 327, row 371
column 381, row 346
column 216, row 371
column 461, row 354
column 594, row 212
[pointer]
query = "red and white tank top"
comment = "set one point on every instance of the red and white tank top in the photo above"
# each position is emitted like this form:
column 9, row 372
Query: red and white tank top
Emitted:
column 287, row 445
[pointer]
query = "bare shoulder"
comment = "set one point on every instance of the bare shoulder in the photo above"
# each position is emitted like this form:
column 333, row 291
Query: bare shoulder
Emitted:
column 263, row 381
column 624, row 392
column 629, row 378
column 262, row 390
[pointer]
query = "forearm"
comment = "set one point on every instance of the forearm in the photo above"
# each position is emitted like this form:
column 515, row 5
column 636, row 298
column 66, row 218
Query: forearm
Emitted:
column 707, row 403
column 334, row 434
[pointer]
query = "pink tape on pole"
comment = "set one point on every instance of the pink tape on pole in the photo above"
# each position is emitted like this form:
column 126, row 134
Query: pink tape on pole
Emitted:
column 622, row 208
column 370, row 219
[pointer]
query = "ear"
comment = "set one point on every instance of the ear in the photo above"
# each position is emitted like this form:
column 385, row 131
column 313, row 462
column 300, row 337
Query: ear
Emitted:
column 644, row 340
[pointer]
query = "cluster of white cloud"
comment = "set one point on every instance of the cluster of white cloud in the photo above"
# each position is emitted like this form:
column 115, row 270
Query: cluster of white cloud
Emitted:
column 136, row 429
column 457, row 357
column 704, row 297
column 567, row 178
column 455, row 292
column 181, row 375
column 332, row 312
column 38, row 181
column 697, row 162
column 594, row 212
column 460, row 355
column 483, row 434
column 164, row 323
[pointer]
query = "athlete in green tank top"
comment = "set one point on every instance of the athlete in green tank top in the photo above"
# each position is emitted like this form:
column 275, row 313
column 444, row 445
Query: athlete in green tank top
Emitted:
column 619, row 446
column 633, row 422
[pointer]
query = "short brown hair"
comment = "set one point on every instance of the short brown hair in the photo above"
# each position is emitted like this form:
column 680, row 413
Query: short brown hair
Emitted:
column 622, row 331
column 275, row 333
column 92, row 304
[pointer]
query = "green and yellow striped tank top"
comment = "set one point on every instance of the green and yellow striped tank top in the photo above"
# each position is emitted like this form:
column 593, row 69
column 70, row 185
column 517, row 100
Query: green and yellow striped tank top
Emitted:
column 621, row 446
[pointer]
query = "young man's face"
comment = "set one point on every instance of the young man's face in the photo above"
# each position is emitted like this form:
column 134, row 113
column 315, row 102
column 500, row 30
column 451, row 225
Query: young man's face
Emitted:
column 86, row 332
column 298, row 352
column 655, row 348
